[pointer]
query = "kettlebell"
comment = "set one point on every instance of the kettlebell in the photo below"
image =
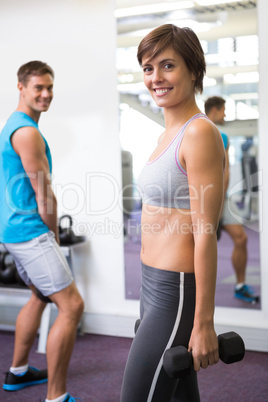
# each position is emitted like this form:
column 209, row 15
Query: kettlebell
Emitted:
column 7, row 270
column 66, row 234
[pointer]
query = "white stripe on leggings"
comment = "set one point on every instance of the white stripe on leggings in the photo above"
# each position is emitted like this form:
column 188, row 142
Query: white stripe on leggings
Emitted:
column 171, row 339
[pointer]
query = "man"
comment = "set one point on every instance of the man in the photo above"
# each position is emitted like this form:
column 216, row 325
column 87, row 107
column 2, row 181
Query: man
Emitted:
column 28, row 230
column 215, row 110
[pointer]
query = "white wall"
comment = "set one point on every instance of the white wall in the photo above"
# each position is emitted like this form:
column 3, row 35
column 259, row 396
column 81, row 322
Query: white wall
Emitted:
column 78, row 39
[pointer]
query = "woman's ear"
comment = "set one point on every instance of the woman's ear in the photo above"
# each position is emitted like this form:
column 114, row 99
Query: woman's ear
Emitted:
column 193, row 77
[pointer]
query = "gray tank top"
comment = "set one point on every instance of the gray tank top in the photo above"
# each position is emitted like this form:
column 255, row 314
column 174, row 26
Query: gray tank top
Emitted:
column 163, row 182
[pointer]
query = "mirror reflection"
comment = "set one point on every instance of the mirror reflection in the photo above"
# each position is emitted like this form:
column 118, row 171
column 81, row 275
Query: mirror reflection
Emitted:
column 232, row 73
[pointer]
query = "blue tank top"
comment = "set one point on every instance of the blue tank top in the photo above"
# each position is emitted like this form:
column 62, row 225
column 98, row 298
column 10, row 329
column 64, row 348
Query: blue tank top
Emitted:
column 19, row 217
column 163, row 182
column 224, row 139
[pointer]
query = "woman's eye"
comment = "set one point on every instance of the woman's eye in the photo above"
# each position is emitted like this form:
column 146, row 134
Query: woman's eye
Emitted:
column 168, row 66
column 147, row 69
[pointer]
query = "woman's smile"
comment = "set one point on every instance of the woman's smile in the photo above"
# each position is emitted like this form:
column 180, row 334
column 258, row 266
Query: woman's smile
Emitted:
column 162, row 91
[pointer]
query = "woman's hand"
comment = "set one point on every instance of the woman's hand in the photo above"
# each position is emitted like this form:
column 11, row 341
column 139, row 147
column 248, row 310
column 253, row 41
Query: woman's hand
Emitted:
column 203, row 345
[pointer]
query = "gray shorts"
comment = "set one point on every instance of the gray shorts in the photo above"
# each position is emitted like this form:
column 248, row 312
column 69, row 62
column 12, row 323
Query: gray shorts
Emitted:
column 40, row 262
column 227, row 216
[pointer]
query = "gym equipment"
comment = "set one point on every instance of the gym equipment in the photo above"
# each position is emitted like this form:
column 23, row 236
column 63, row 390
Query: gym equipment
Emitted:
column 137, row 324
column 7, row 270
column 178, row 361
column 127, row 181
column 66, row 234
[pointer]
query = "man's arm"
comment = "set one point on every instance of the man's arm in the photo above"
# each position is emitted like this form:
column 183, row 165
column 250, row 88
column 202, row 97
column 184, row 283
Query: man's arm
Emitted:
column 29, row 145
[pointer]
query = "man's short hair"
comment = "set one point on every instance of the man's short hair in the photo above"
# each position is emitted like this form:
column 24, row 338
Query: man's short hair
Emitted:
column 33, row 68
column 214, row 101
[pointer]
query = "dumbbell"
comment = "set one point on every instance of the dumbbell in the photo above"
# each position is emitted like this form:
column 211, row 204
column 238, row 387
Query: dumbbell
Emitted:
column 178, row 361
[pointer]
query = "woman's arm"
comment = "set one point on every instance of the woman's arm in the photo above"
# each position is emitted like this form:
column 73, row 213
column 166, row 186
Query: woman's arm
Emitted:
column 202, row 154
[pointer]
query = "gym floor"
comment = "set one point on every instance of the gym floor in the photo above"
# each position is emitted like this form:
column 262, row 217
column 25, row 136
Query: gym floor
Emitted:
column 97, row 365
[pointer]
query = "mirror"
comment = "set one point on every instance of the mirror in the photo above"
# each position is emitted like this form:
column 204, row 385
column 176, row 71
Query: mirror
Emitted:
column 231, row 51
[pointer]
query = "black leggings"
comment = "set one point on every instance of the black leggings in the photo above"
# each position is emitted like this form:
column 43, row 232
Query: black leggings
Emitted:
column 167, row 312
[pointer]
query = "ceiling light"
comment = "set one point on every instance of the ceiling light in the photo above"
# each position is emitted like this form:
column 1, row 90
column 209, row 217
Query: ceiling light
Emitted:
column 245, row 112
column 126, row 78
column 124, row 106
column 245, row 96
column 153, row 8
column 194, row 25
column 209, row 82
column 213, row 2
column 241, row 78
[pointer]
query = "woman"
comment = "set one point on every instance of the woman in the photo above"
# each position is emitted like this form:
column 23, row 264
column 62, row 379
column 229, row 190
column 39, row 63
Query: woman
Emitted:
column 182, row 190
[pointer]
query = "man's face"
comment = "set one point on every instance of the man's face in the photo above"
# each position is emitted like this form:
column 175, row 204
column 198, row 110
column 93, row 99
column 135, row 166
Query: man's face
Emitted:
column 219, row 115
column 37, row 94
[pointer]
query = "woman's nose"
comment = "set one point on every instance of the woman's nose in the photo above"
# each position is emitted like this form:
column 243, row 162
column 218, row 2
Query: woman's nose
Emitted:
column 157, row 76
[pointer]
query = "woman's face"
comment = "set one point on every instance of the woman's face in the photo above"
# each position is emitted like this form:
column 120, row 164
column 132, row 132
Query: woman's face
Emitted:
column 168, row 79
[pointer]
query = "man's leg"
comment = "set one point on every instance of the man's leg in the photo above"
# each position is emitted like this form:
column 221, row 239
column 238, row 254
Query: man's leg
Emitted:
column 240, row 254
column 239, row 260
column 50, row 273
column 27, row 324
column 20, row 375
column 61, row 338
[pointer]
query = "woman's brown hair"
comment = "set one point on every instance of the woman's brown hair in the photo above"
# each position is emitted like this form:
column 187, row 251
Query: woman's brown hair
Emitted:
column 184, row 41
